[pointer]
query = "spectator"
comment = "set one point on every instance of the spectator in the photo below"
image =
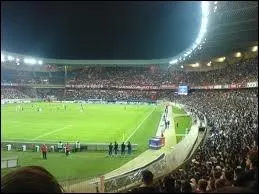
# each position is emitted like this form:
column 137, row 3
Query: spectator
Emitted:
column 202, row 186
column 30, row 179
column 148, row 187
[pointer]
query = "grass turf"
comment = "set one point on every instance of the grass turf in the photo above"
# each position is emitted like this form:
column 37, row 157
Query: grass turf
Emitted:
column 184, row 122
column 95, row 124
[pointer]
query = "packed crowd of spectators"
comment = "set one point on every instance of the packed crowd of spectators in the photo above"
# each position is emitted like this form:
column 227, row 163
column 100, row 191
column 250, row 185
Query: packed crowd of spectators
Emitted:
column 239, row 73
column 228, row 161
column 85, row 94
column 13, row 93
column 45, row 93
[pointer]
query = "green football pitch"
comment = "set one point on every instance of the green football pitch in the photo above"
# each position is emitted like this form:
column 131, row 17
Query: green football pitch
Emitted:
column 102, row 123
column 97, row 123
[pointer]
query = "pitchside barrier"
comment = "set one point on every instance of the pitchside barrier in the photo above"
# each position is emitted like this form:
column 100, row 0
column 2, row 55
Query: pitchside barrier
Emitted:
column 9, row 162
column 32, row 146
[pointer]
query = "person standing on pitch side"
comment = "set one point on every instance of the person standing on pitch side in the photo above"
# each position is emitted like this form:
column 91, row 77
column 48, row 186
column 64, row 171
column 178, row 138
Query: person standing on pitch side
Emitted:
column 123, row 148
column 67, row 148
column 110, row 149
column 129, row 148
column 44, row 150
column 116, row 148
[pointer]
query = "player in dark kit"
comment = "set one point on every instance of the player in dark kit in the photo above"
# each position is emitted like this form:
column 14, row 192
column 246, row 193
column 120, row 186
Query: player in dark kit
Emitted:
column 129, row 148
column 123, row 146
column 82, row 108
column 116, row 148
column 110, row 149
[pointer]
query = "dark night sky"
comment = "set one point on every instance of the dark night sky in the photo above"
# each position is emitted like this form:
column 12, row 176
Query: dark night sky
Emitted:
column 99, row 30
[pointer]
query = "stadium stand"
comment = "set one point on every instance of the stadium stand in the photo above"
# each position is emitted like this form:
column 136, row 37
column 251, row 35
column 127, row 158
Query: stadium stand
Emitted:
column 229, row 156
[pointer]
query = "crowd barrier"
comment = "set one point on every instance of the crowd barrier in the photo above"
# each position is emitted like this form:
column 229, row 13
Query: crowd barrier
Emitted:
column 31, row 146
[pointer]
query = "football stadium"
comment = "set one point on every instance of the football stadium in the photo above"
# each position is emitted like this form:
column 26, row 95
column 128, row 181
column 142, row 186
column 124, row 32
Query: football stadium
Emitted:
column 185, row 123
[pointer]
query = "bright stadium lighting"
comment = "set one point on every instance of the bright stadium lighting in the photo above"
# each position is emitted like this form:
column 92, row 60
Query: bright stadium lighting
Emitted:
column 195, row 65
column 255, row 48
column 215, row 2
column 199, row 40
column 2, row 58
column 17, row 59
column 221, row 59
column 182, row 66
column 30, row 61
column 40, row 62
column 10, row 58
column 17, row 63
column 238, row 54
column 209, row 64
column 173, row 61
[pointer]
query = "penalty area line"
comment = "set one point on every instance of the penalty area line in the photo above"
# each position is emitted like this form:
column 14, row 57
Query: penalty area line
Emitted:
column 139, row 125
column 49, row 133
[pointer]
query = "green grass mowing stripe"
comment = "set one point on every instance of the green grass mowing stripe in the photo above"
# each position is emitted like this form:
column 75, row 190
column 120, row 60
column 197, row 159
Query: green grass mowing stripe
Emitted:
column 88, row 125
column 147, row 129
column 82, row 164
column 183, row 123
column 140, row 125
column 178, row 110
column 76, row 166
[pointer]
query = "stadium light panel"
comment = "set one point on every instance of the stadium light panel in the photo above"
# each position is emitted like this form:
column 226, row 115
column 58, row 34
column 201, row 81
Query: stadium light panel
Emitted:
column 209, row 64
column 221, row 59
column 173, row 61
column 10, row 58
column 30, row 61
column 195, row 65
column 255, row 48
column 203, row 29
column 182, row 66
column 17, row 59
column 238, row 54
column 40, row 62
column 205, row 8
column 2, row 58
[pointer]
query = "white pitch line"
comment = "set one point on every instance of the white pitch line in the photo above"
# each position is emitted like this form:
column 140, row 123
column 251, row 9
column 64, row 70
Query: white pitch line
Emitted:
column 139, row 125
column 45, row 134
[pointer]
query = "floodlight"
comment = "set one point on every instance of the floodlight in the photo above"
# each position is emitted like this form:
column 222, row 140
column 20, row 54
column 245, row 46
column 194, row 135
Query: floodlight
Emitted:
column 209, row 64
column 182, row 66
column 40, row 62
column 10, row 58
column 2, row 58
column 30, row 61
column 205, row 8
column 195, row 65
column 17, row 59
column 173, row 61
column 221, row 59
column 238, row 54
column 255, row 48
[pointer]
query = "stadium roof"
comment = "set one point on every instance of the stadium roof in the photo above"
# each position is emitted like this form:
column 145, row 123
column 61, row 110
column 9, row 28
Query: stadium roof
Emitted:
column 232, row 27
